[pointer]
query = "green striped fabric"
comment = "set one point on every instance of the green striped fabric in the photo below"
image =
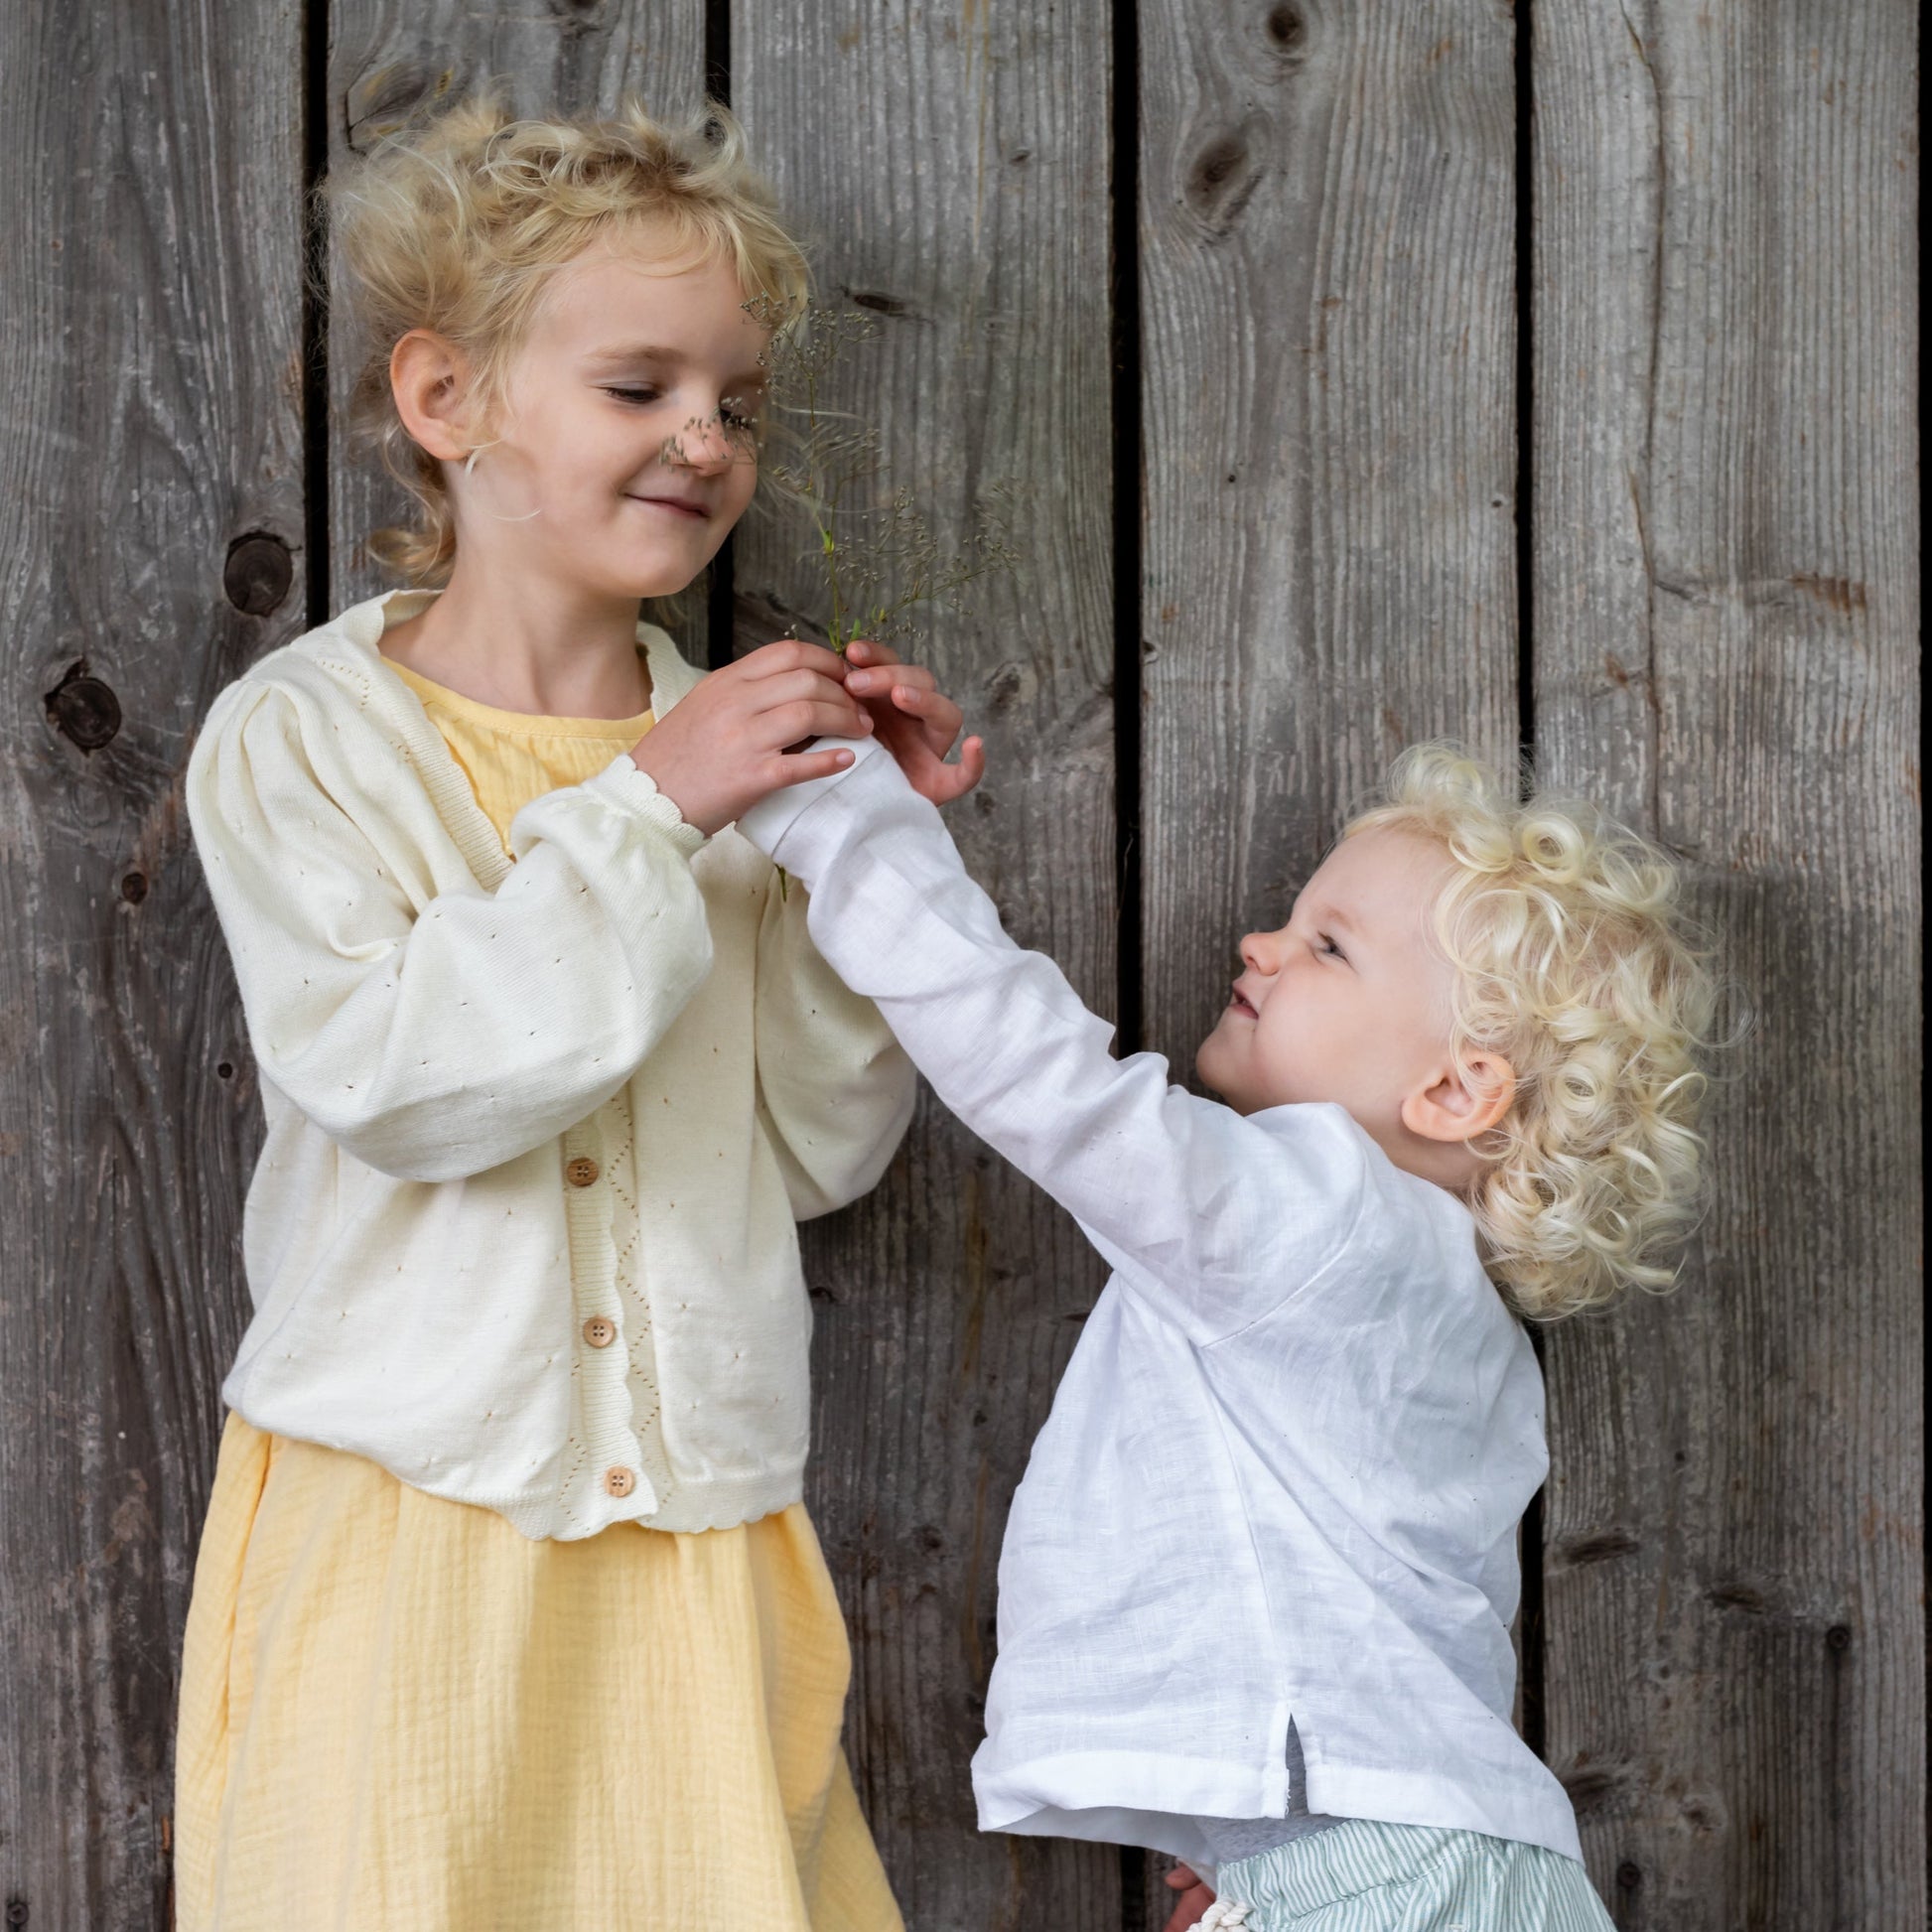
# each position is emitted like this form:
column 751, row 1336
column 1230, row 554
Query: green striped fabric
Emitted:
column 1370, row 1876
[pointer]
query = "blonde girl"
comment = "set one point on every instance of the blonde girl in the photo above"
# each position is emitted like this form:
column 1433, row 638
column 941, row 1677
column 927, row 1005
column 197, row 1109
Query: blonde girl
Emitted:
column 506, row 1611
column 1255, row 1586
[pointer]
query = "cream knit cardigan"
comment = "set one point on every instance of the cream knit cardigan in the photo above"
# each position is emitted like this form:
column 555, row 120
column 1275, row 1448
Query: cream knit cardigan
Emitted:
column 438, row 1029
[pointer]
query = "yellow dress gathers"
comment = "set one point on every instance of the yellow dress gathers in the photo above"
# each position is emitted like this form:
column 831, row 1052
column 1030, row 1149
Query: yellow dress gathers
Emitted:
column 399, row 1713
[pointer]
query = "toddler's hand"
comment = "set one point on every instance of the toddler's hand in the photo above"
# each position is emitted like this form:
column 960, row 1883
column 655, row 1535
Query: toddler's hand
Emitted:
column 1195, row 1900
column 722, row 747
column 915, row 720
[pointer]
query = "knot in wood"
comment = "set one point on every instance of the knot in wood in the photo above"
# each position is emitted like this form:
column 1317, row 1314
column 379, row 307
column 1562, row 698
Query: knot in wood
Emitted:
column 1223, row 177
column 1286, row 29
column 258, row 573
column 84, row 710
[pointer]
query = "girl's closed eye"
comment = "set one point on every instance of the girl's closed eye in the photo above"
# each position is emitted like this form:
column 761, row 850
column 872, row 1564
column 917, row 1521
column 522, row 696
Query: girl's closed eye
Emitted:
column 1328, row 946
column 730, row 409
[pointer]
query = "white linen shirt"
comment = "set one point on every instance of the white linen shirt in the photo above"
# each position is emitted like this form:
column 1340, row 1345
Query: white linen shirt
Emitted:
column 1283, row 1471
column 438, row 1028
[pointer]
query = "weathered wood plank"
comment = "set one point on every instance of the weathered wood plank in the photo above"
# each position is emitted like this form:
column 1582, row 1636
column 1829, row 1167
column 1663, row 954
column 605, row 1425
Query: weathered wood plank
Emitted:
column 1727, row 591
column 953, row 172
column 149, row 337
column 1328, row 322
column 1727, row 597
column 1328, row 332
column 387, row 60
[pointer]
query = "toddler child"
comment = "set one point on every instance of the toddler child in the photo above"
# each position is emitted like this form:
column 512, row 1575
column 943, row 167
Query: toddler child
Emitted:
column 506, row 1611
column 1257, row 1586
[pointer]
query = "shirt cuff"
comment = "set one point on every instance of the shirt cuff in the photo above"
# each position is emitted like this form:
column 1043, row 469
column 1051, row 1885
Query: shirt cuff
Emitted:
column 623, row 782
column 777, row 811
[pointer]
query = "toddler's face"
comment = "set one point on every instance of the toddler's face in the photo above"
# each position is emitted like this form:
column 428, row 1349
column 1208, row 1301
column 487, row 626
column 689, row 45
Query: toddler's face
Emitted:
column 626, row 351
column 1349, row 1001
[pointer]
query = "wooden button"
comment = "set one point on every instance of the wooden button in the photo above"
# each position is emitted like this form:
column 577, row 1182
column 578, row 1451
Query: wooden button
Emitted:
column 619, row 1481
column 600, row 1331
column 582, row 1172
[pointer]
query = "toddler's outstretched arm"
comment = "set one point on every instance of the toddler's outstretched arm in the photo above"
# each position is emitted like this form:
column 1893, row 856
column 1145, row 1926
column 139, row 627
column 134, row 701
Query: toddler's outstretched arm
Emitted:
column 1212, row 1217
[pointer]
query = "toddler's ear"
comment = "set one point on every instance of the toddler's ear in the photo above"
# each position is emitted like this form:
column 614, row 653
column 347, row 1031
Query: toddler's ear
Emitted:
column 1459, row 1102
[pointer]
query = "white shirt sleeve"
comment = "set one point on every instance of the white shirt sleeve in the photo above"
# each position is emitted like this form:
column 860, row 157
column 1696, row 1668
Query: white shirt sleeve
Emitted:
column 438, row 1039
column 1212, row 1217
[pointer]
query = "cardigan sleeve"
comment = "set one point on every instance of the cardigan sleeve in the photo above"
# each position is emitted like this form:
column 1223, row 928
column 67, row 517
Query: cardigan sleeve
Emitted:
column 1213, row 1218
column 835, row 1089
column 440, row 1038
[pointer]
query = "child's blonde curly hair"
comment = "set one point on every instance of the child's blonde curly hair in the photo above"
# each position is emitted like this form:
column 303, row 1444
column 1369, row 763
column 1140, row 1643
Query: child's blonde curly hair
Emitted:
column 1573, row 961
column 455, row 224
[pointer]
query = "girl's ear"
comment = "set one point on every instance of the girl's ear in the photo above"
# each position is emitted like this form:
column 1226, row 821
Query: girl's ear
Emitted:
column 1461, row 1101
column 429, row 378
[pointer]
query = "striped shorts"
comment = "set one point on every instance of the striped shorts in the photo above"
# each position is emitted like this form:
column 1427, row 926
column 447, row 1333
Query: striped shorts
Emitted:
column 1370, row 1876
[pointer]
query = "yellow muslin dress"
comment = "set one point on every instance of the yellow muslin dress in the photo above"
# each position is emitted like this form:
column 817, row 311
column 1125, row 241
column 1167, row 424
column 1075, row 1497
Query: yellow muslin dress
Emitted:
column 400, row 1715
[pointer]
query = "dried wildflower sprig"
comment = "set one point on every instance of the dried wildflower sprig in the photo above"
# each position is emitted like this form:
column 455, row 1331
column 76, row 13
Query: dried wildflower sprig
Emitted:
column 881, row 560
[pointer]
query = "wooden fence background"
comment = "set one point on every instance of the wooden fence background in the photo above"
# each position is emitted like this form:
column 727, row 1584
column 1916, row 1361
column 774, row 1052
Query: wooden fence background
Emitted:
column 1382, row 369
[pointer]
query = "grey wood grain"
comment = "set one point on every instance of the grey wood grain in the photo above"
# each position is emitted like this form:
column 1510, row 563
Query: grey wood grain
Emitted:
column 1328, row 317
column 149, row 321
column 1726, row 597
column 952, row 174
column 1328, row 340
column 1725, row 586
column 389, row 62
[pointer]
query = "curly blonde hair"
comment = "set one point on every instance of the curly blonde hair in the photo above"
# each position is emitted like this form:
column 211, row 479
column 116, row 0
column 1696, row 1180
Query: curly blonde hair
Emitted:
column 456, row 225
column 1574, row 961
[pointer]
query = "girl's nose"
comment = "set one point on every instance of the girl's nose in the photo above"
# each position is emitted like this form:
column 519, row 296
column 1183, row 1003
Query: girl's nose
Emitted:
column 705, row 446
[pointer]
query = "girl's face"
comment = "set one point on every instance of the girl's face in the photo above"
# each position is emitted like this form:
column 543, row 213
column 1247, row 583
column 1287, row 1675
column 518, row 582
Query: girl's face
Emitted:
column 1350, row 1001
column 628, row 350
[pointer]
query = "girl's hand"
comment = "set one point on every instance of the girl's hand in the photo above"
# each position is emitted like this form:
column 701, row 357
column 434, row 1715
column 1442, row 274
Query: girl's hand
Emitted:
column 722, row 747
column 917, row 722
column 1195, row 1900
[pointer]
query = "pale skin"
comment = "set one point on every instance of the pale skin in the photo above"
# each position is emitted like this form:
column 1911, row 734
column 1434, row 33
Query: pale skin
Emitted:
column 1350, row 1001
column 568, row 516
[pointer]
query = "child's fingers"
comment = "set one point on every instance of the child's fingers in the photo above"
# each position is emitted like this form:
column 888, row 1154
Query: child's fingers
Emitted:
column 800, row 704
column 875, row 683
column 862, row 650
column 791, row 654
column 1193, row 1900
column 787, row 724
column 1189, row 1913
column 788, row 686
column 923, row 700
column 949, row 781
column 940, row 716
column 798, row 767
